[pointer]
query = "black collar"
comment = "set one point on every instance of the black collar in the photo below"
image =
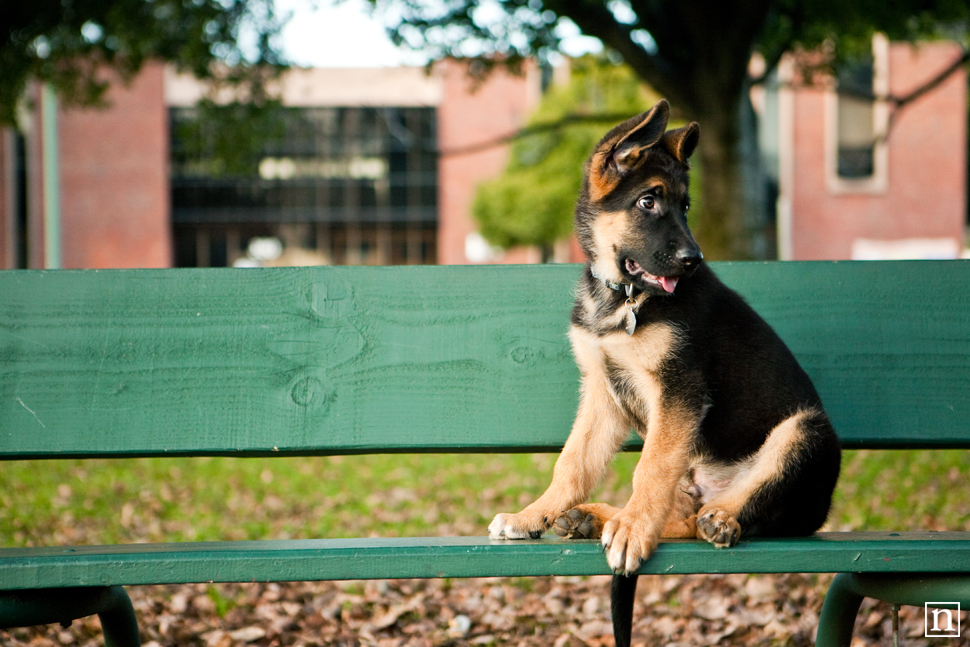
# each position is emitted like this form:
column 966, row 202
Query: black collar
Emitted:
column 632, row 303
column 619, row 287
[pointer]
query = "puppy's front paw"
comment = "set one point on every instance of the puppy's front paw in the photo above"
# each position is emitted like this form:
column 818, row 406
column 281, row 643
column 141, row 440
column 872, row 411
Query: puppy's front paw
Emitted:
column 628, row 541
column 718, row 527
column 514, row 526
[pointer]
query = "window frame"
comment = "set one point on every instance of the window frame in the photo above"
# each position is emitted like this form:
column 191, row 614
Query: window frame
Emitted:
column 878, row 182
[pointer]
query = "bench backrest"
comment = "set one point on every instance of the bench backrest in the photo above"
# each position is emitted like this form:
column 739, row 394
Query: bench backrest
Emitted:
column 381, row 359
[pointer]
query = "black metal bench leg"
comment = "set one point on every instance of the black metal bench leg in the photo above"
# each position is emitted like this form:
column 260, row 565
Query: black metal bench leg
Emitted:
column 118, row 621
column 25, row 608
column 839, row 611
column 915, row 589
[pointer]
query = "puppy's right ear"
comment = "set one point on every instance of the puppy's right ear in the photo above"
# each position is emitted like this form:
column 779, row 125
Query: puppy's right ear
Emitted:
column 623, row 147
column 682, row 142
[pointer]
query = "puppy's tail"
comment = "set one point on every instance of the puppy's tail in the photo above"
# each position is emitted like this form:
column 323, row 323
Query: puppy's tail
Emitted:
column 622, row 592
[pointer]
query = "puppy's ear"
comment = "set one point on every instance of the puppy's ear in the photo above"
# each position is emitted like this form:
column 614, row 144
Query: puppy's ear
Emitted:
column 681, row 142
column 623, row 147
column 647, row 130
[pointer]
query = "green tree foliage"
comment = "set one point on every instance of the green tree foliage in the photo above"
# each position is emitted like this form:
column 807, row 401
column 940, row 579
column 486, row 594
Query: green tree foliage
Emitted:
column 532, row 202
column 70, row 44
column 695, row 53
column 225, row 140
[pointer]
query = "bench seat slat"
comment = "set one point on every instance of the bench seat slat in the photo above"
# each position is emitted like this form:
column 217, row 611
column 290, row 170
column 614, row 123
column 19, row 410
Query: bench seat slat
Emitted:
column 423, row 557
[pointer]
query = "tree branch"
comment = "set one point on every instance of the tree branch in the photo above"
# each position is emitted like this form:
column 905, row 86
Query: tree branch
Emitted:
column 535, row 129
column 931, row 84
column 896, row 102
column 899, row 102
column 595, row 19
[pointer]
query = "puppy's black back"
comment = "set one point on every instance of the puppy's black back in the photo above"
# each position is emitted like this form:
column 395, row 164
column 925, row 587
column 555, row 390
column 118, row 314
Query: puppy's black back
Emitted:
column 752, row 382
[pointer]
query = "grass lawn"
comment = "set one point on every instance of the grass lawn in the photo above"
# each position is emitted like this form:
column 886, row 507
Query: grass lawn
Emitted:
column 177, row 499
column 105, row 501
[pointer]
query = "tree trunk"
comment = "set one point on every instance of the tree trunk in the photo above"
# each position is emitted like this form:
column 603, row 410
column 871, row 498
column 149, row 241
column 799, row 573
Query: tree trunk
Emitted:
column 729, row 219
column 700, row 64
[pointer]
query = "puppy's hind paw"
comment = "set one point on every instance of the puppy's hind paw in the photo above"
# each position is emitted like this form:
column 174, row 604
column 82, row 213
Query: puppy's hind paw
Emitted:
column 718, row 527
column 577, row 524
column 584, row 521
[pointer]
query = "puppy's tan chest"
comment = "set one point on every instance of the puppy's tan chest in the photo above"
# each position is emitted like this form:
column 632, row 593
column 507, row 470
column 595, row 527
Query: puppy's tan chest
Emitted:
column 644, row 352
column 627, row 366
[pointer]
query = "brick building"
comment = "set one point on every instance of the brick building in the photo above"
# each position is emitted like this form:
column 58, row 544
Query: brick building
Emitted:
column 379, row 166
column 858, row 181
column 356, row 178
column 111, row 170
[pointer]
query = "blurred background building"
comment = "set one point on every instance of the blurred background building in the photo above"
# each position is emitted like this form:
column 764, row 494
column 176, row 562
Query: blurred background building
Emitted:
column 362, row 166
column 857, row 181
column 380, row 166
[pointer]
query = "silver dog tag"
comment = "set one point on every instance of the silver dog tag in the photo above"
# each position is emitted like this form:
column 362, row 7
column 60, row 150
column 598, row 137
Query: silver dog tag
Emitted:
column 631, row 317
column 631, row 313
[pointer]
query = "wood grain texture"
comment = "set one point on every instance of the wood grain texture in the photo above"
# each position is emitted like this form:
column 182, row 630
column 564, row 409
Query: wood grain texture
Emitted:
column 344, row 559
column 385, row 359
column 330, row 360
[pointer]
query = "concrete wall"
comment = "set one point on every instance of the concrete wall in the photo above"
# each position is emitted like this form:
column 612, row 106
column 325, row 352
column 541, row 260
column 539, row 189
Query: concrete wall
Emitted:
column 314, row 87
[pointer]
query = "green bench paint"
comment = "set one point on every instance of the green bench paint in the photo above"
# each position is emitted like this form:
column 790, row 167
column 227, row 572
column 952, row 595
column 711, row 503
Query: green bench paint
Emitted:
column 326, row 361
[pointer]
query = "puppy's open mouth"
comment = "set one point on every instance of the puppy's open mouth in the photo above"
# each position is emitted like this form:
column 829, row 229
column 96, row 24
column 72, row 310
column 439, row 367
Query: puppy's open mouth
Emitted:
column 666, row 283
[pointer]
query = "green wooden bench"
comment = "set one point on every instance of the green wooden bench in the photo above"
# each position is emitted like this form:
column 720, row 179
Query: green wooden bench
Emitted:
column 313, row 361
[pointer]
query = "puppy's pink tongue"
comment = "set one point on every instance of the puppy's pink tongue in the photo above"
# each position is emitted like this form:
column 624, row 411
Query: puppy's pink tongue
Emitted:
column 669, row 283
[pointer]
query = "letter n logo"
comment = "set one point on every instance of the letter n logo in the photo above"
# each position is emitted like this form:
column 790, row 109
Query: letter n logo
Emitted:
column 942, row 619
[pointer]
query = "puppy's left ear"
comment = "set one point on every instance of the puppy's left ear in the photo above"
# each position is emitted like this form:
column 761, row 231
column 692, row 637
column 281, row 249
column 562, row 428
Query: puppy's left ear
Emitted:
column 681, row 142
column 624, row 147
column 647, row 131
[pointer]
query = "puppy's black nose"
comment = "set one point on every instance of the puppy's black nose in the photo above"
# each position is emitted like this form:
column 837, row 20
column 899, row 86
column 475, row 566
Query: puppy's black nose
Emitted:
column 689, row 259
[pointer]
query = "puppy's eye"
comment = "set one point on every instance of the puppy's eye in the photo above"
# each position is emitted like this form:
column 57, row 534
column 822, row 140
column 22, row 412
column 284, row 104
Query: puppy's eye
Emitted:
column 647, row 202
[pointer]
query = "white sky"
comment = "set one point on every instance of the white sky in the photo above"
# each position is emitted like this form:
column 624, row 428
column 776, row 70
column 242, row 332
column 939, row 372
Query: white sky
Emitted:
column 322, row 33
column 325, row 33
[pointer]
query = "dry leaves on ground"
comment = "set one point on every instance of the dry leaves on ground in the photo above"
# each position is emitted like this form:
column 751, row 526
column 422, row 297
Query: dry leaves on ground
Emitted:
column 671, row 610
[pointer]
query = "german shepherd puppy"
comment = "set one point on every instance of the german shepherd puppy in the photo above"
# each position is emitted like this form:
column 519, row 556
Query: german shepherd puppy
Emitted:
column 735, row 441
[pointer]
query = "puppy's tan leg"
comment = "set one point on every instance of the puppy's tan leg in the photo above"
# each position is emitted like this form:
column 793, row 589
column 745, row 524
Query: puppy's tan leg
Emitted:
column 586, row 520
column 631, row 536
column 596, row 436
column 599, row 430
column 717, row 522
column 682, row 521
column 680, row 528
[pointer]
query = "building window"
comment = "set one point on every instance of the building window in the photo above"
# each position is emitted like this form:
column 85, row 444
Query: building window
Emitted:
column 856, row 125
column 857, row 122
column 354, row 185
